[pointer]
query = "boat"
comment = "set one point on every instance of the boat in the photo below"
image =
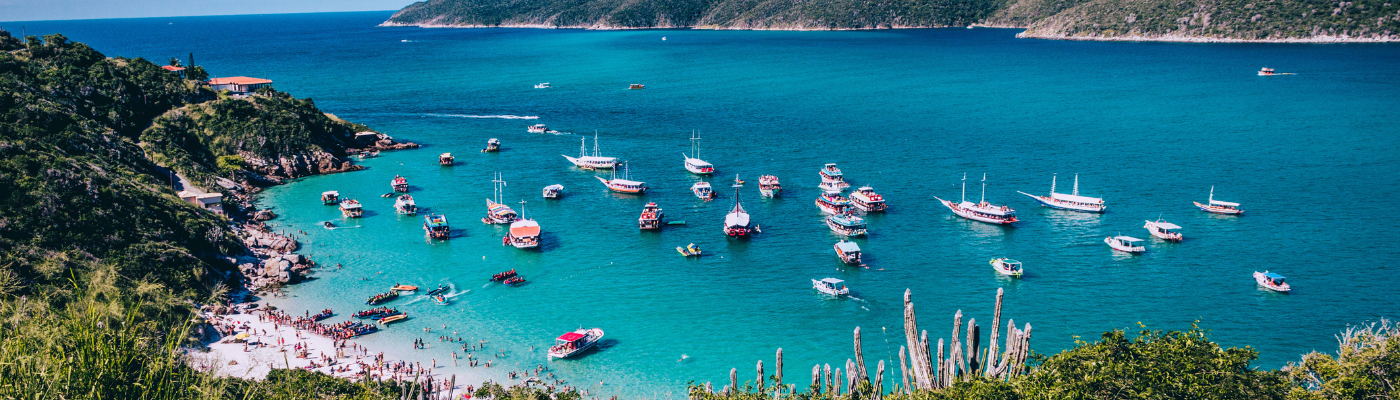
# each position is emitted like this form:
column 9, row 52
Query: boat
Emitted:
column 832, row 177
column 537, row 128
column 405, row 205
column 498, row 213
column 768, row 186
column 436, row 226
column 848, row 252
column 330, row 197
column 440, row 290
column 400, row 184
column 382, row 297
column 503, row 276
column 572, row 343
column 832, row 186
column 386, row 315
column 624, row 185
column 690, row 250
column 737, row 181
column 1072, row 202
column 351, row 208
column 1219, row 207
column 514, row 280
column 1006, row 266
column 553, row 191
column 692, row 161
column 586, row 161
column 636, row 86
column 446, row 159
column 651, row 217
column 404, row 288
column 846, row 225
column 1272, row 281
column 329, row 224
column 439, row 299
column 982, row 211
column 1125, row 244
column 524, row 233
column 831, row 286
column 375, row 312
column 326, row 313
column 832, row 202
column 703, row 190
column 1266, row 71
column 867, row 200
column 368, row 155
column 492, row 145
column 393, row 318
column 1163, row 230
column 544, row 85
column 736, row 223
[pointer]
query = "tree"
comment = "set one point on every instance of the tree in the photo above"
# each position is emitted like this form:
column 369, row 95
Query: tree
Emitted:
column 1367, row 366
column 174, row 62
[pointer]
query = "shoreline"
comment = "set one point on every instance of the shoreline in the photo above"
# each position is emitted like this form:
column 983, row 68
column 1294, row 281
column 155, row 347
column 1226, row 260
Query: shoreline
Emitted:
column 1207, row 39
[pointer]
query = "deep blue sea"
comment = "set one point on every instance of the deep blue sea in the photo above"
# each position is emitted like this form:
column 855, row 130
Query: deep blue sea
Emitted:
column 1150, row 127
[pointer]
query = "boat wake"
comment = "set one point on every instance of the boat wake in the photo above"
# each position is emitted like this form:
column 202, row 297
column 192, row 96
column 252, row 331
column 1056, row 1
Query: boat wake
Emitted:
column 487, row 116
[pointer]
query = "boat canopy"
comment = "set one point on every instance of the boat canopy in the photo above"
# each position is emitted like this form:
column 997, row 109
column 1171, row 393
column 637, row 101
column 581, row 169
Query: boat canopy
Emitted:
column 330, row 193
column 698, row 185
column 1076, row 199
column 832, row 281
column 850, row 221
column 1009, row 261
column 1166, row 225
column 498, row 209
column 445, row 155
column 350, row 204
column 991, row 209
column 493, row 140
column 554, row 187
column 525, row 228
column 1126, row 239
column 1223, row 203
column 570, row 337
column 848, row 247
column 436, row 220
column 1275, row 277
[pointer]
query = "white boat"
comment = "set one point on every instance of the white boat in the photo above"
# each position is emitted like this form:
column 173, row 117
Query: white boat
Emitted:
column 446, row 159
column 553, row 191
column 703, row 190
column 624, row 185
column 847, row 225
column 572, row 343
column 544, row 85
column 330, row 197
column 651, row 217
column 832, row 202
column 768, row 186
column 832, row 186
column 1073, row 201
column 1125, row 244
column 492, row 145
column 736, row 223
column 524, row 234
column 537, row 128
column 848, row 252
column 498, row 213
column 831, row 286
column 351, row 208
column 404, row 205
column 1007, row 266
column 1219, row 207
column 399, row 183
column 693, row 163
column 830, row 173
column 1272, row 281
column 982, row 211
column 1164, row 230
column 436, row 226
column 867, row 200
column 594, row 161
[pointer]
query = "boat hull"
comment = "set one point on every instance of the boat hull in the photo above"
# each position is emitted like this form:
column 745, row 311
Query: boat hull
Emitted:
column 1218, row 210
column 1052, row 203
column 1124, row 248
column 1002, row 268
column 1259, row 278
column 975, row 217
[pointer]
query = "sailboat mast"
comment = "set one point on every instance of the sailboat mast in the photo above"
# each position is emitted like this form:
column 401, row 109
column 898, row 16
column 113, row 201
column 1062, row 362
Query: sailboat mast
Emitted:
column 522, row 209
column 583, row 147
column 984, row 189
column 1212, row 194
column 1052, row 183
column 964, row 193
column 1076, row 184
column 595, row 143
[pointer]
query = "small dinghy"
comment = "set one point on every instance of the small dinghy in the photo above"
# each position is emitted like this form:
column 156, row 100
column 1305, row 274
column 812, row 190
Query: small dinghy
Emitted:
column 1007, row 266
column 690, row 250
column 503, row 276
column 572, row 343
column 1272, row 281
column 1163, row 230
column 831, row 286
column 1125, row 244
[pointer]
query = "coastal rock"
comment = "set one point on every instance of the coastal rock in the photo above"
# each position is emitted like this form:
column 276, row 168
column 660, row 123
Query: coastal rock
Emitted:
column 264, row 215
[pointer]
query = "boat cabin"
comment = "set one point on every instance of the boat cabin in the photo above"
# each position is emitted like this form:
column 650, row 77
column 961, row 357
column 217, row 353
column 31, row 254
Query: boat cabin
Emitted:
column 848, row 252
column 436, row 225
column 1273, row 278
column 445, row 159
column 330, row 197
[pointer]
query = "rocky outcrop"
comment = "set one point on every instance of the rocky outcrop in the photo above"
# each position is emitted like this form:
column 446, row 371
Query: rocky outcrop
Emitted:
column 299, row 165
column 270, row 262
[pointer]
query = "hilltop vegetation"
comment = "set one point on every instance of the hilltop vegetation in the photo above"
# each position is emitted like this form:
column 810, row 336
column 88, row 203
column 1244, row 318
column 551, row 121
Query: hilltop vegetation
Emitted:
column 1223, row 19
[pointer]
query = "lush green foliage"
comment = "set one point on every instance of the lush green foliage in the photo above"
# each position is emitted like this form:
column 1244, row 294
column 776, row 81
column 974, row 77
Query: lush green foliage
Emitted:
column 1237, row 19
column 1367, row 366
column 769, row 14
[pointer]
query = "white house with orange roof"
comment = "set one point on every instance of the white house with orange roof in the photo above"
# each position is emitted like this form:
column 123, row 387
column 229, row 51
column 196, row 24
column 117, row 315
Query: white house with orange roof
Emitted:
column 238, row 84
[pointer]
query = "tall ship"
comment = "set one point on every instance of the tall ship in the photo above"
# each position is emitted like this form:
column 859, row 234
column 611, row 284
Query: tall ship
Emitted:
column 737, row 223
column 1073, row 201
column 867, row 200
column 693, row 163
column 1219, row 207
column 351, row 208
column 981, row 211
column 651, row 217
column 399, row 183
column 831, row 176
column 572, row 343
column 330, row 197
column 768, row 186
column 404, row 205
column 524, row 233
column 593, row 161
column 436, row 226
column 832, row 202
column 624, row 185
column 847, row 225
column 498, row 213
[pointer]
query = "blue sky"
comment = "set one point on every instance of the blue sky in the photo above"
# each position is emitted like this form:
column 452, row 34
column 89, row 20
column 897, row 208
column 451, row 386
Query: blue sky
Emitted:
column 38, row 10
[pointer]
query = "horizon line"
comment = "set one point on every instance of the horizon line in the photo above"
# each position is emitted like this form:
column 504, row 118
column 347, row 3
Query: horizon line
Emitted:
column 3, row 24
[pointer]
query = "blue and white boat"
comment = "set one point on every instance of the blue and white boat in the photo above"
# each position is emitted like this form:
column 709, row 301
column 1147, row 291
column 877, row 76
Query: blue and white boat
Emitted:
column 831, row 286
column 847, row 225
column 1073, row 201
column 1272, row 281
column 832, row 202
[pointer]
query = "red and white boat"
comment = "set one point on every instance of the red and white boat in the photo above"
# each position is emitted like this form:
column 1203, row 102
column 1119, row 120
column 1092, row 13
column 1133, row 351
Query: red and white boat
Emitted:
column 524, row 234
column 497, row 213
column 768, row 186
column 651, row 217
column 1164, row 230
column 867, row 200
column 737, row 223
column 1219, row 207
column 624, row 185
column 832, row 202
column 572, row 343
column 1073, row 201
column 693, row 163
column 982, row 211
column 400, row 184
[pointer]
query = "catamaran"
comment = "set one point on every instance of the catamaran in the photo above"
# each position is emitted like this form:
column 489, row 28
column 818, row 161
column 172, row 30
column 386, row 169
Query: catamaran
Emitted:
column 736, row 223
column 586, row 161
column 446, row 159
column 693, row 163
column 1219, row 207
column 436, row 226
column 848, row 252
column 1164, row 230
column 1007, row 266
column 1272, row 281
column 572, row 343
column 831, row 286
column 330, row 197
column 831, row 176
column 497, row 213
column 651, row 217
column 1125, row 244
column 867, row 200
column 847, row 225
column 404, row 205
column 524, row 233
column 399, row 183
column 553, row 191
column 624, row 185
column 832, row 202
column 537, row 128
column 1073, row 201
column 982, row 211
column 351, row 208
column 768, row 186
column 703, row 190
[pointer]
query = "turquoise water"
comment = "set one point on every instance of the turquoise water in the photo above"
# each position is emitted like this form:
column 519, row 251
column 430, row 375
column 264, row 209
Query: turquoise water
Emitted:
column 1150, row 127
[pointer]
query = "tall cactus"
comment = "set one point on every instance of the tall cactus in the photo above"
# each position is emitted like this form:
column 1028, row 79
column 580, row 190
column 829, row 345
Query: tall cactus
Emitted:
column 955, row 349
column 779, row 381
column 860, row 358
column 826, row 372
column 992, row 345
column 918, row 356
column 837, row 386
column 942, row 365
column 759, row 382
column 879, row 380
column 817, row 376
column 733, row 381
column 973, row 338
column 904, row 372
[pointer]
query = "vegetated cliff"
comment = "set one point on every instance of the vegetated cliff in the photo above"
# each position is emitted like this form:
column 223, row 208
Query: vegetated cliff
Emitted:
column 1224, row 20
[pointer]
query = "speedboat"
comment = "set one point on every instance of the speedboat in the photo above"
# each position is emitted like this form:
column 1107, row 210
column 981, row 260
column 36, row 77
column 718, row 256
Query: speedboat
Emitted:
column 832, row 202
column 736, row 223
column 1163, row 230
column 492, row 145
column 544, row 85
column 553, row 191
column 690, row 250
column 1219, row 207
column 1266, row 71
column 831, row 286
column 368, row 155
column 499, row 214
column 636, row 86
column 537, row 128
column 330, row 197
column 624, row 185
column 446, row 159
column 693, row 163
column 1272, row 281
column 524, row 234
column 440, row 290
column 439, row 299
column 400, row 184
column 351, row 208
column 867, row 200
column 1125, row 244
column 1007, row 266
column 983, row 211
column 848, row 252
column 846, row 225
column 651, row 217
column 1073, row 202
column 572, row 343
column 768, row 186
column 594, row 161
column 404, row 205
column 404, row 288
column 702, row 190
column 436, row 226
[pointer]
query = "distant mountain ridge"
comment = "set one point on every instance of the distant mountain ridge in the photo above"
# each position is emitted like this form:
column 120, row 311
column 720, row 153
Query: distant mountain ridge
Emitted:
column 1166, row 20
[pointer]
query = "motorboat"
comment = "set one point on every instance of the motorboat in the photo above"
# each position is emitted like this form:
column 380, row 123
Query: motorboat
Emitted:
column 492, row 145
column 524, row 234
column 1125, row 244
column 440, row 290
column 1219, row 207
column 1272, row 281
column 374, row 312
column 537, row 128
column 351, row 208
column 514, row 280
column 498, row 213
column 544, row 85
column 624, row 185
column 1164, row 230
column 499, row 277
column 832, row 186
column 636, row 86
column 330, row 197
column 404, row 205
column 736, row 222
column 368, row 155
column 848, row 252
column 382, row 297
column 326, row 313
column 846, row 225
column 983, row 210
column 404, row 289
column 439, row 300
column 690, row 250
column 1266, row 71
column 832, row 202
column 1073, row 201
column 572, row 343
column 436, row 226
column 553, row 191
column 703, row 190
column 830, row 173
column 1007, row 266
column 399, row 183
column 446, row 159
column 768, row 186
column 393, row 318
column 693, row 163
column 593, row 161
column 867, row 200
column 651, row 217
column 831, row 286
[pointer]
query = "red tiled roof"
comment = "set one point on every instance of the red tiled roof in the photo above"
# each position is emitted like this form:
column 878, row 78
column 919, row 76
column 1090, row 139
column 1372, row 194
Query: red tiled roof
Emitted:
column 173, row 68
column 237, row 80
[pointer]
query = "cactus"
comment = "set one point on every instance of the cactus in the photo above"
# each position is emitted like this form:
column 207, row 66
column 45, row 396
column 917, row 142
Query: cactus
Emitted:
column 911, row 334
column 955, row 349
column 973, row 338
column 992, row 346
column 733, row 380
column 826, row 372
column 860, row 358
column 836, row 387
column 880, row 380
column 779, row 381
column 817, row 376
column 759, row 382
column 904, row 372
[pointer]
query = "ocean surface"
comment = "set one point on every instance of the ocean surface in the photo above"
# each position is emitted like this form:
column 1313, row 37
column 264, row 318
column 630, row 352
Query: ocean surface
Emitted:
column 1150, row 127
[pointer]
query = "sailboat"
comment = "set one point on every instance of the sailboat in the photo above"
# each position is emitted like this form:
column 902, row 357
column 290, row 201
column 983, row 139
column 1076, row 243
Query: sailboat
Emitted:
column 982, row 211
column 1219, row 207
column 524, row 233
column 693, row 163
column 1073, row 202
column 624, row 185
column 497, row 212
column 736, row 223
column 594, row 161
